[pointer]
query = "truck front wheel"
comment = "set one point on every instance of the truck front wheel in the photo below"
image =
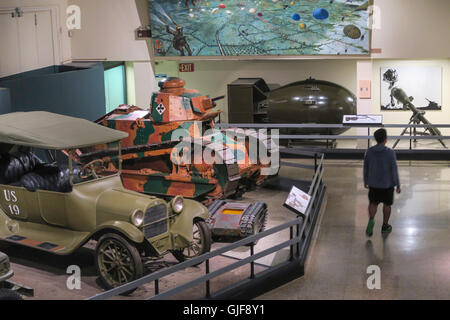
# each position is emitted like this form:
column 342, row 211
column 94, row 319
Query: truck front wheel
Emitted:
column 117, row 261
column 200, row 244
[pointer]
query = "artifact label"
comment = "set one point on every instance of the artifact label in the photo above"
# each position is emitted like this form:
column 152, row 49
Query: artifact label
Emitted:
column 297, row 200
column 362, row 119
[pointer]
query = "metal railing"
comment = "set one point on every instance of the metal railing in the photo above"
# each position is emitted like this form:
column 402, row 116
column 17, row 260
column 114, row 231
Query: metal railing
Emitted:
column 328, row 145
column 300, row 232
column 322, row 125
column 412, row 134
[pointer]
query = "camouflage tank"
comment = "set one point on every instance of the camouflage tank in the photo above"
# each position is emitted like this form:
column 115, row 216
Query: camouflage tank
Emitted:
column 148, row 152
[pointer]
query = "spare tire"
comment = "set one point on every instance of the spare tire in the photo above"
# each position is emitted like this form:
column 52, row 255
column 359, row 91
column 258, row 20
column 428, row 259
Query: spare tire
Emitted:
column 14, row 166
column 29, row 160
column 13, row 170
column 45, row 177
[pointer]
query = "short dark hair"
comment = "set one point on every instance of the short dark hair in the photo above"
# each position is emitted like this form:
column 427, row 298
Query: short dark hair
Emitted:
column 380, row 135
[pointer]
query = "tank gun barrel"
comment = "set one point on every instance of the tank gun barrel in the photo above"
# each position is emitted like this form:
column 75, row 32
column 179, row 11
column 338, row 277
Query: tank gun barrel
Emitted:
column 217, row 99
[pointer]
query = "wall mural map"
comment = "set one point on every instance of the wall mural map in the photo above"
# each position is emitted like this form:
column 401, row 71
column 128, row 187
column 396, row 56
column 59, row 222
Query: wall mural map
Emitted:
column 259, row 27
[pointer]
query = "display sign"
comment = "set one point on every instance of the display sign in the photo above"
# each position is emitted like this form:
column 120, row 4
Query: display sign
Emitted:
column 186, row 67
column 364, row 89
column 362, row 119
column 297, row 201
column 144, row 33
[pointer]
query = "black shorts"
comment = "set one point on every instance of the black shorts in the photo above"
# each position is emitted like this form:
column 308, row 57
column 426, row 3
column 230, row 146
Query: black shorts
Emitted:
column 385, row 196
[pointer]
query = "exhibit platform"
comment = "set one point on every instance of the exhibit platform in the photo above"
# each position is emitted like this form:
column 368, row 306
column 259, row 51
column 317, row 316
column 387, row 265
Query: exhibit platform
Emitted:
column 269, row 271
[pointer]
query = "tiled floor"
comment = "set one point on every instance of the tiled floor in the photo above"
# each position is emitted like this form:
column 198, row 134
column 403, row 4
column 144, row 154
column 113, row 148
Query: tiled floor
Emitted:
column 414, row 259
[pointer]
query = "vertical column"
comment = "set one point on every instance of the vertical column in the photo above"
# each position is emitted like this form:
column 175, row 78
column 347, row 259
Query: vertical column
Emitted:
column 364, row 106
column 145, row 83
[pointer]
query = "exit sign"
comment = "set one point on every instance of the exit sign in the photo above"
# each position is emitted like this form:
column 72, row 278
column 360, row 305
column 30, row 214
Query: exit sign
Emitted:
column 186, row 67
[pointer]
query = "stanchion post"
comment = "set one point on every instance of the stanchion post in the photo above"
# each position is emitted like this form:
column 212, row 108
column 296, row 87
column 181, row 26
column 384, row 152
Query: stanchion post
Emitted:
column 252, row 264
column 208, row 289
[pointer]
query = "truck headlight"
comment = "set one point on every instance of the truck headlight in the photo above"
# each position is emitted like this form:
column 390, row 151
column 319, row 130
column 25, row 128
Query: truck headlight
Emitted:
column 178, row 204
column 137, row 218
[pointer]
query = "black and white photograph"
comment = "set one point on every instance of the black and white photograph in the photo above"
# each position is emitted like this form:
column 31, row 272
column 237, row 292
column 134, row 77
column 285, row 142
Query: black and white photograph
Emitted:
column 424, row 83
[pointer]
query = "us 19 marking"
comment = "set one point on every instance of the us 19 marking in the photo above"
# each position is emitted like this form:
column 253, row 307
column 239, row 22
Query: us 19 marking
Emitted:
column 14, row 209
column 10, row 196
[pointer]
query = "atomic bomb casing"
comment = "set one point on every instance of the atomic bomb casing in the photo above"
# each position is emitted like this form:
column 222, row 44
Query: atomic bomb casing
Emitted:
column 311, row 102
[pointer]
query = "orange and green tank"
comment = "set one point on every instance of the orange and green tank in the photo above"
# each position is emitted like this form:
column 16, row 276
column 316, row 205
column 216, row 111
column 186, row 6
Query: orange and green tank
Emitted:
column 148, row 151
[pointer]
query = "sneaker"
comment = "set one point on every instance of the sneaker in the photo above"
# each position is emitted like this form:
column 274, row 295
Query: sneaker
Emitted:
column 369, row 229
column 386, row 228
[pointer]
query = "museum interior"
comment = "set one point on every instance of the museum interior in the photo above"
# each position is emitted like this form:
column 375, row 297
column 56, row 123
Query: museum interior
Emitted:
column 234, row 149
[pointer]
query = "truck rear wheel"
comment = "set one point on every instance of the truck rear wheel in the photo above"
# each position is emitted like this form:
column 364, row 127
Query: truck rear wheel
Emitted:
column 201, row 243
column 117, row 261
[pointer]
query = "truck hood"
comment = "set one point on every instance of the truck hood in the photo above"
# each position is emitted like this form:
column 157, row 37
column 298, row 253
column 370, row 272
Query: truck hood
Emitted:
column 119, row 204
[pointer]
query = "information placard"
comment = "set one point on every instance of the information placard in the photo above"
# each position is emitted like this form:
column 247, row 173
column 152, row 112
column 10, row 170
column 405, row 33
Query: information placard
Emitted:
column 297, row 201
column 363, row 119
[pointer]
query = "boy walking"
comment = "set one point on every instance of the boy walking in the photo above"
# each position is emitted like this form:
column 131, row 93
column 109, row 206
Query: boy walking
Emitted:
column 380, row 177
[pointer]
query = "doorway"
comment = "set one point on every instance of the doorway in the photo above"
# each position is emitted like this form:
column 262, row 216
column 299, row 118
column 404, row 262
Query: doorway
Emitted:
column 115, row 85
column 28, row 40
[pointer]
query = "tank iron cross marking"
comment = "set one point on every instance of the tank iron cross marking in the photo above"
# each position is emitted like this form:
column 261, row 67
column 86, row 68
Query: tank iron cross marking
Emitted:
column 160, row 108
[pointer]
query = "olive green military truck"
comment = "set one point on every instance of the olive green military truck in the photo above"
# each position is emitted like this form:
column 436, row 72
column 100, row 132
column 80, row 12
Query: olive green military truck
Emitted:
column 54, row 196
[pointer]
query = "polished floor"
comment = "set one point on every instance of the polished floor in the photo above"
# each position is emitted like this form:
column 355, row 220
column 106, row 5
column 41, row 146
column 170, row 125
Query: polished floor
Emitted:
column 414, row 259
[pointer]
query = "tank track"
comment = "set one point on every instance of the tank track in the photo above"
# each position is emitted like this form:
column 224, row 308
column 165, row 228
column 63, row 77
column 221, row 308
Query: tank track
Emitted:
column 215, row 206
column 254, row 219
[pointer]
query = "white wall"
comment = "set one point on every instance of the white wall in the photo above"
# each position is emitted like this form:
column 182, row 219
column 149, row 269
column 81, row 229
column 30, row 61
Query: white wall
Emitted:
column 144, row 82
column 413, row 29
column 108, row 32
column 212, row 77
column 64, row 40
